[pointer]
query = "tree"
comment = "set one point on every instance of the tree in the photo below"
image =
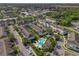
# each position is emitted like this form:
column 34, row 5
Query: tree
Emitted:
column 11, row 37
column 15, row 49
column 24, row 40
column 66, row 21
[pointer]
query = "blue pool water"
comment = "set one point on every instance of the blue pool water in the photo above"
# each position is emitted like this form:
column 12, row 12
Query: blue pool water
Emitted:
column 41, row 41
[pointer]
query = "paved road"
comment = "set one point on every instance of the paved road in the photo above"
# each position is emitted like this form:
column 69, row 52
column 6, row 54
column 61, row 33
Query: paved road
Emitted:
column 20, row 44
column 3, row 46
column 1, row 31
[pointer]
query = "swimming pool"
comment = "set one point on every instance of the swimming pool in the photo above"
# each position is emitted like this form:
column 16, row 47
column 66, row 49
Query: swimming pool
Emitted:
column 41, row 41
